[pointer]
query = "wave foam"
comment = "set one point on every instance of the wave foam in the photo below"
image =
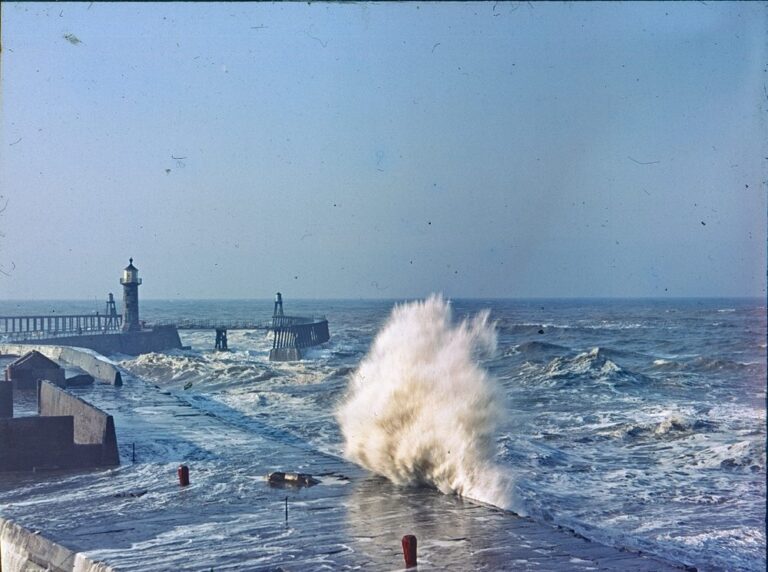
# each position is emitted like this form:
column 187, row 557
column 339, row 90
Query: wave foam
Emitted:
column 593, row 364
column 421, row 410
column 669, row 425
column 744, row 455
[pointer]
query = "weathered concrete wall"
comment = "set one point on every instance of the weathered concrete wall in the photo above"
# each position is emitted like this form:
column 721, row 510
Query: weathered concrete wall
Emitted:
column 80, row 380
column 68, row 434
column 34, row 442
column 6, row 399
column 284, row 354
column 27, row 380
column 85, row 359
column 24, row 551
column 97, row 367
column 91, row 425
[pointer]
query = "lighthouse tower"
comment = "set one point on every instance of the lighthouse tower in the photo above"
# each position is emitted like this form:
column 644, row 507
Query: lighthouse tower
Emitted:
column 130, row 282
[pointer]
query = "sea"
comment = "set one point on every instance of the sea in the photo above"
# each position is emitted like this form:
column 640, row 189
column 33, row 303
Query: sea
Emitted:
column 640, row 424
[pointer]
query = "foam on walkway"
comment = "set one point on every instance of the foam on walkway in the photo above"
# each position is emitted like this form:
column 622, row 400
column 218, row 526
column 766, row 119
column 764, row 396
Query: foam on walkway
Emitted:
column 136, row 517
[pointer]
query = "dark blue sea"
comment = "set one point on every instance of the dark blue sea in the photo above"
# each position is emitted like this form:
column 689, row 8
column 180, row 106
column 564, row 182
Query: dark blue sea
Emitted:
column 636, row 423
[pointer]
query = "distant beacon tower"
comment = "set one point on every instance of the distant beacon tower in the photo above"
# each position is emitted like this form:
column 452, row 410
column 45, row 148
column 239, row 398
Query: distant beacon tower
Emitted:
column 130, row 282
column 111, row 323
column 278, row 305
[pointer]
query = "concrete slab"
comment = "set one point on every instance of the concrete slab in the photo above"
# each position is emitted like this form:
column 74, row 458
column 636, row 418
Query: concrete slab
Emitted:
column 81, row 358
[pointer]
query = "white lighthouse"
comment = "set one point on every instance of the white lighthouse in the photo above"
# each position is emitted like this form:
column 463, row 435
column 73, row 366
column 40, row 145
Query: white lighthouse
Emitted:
column 130, row 282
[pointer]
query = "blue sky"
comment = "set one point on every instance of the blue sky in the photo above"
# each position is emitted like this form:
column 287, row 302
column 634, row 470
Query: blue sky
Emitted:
column 384, row 150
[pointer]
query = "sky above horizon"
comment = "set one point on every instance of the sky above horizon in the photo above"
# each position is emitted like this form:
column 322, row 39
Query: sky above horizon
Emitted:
column 384, row 150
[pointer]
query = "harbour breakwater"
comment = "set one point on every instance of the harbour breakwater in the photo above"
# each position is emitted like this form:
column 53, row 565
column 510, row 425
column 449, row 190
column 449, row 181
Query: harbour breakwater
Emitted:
column 137, row 517
column 158, row 339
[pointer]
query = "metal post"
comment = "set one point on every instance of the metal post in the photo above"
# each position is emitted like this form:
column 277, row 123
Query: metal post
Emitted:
column 409, row 550
column 183, row 474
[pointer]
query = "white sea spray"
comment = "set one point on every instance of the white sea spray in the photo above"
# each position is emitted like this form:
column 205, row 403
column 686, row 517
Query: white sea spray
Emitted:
column 421, row 410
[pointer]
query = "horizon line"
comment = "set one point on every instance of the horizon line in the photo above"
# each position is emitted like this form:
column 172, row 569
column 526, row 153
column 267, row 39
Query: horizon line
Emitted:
column 386, row 299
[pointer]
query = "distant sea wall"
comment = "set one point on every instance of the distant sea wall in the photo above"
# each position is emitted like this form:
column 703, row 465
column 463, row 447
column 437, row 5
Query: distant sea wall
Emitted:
column 84, row 358
column 157, row 339
column 22, row 550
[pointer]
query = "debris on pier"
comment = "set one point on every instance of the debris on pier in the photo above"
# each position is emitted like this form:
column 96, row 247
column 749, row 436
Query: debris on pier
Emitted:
column 278, row 478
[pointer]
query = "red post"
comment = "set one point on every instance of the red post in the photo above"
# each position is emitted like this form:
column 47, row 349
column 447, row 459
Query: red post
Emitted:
column 409, row 550
column 183, row 473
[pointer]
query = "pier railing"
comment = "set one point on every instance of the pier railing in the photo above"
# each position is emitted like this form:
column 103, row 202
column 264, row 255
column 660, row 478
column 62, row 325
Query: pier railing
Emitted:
column 289, row 331
column 286, row 321
column 57, row 325
column 270, row 324
column 193, row 324
column 302, row 335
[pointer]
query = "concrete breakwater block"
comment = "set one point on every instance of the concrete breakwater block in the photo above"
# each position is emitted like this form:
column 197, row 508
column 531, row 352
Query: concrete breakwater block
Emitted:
column 68, row 433
column 6, row 399
column 33, row 365
column 22, row 550
column 88, row 360
column 94, row 364
column 79, row 380
column 284, row 354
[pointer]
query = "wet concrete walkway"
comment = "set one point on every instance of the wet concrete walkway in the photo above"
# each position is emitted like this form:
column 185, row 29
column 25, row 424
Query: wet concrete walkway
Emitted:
column 136, row 517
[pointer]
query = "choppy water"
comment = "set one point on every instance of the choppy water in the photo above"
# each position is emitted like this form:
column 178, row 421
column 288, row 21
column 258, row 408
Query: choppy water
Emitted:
column 639, row 424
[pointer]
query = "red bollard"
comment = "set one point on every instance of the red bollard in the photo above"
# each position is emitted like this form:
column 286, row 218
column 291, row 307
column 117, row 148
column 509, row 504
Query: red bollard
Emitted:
column 183, row 473
column 409, row 550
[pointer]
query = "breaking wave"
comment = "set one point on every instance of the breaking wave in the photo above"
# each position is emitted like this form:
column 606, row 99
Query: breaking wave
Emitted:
column 700, row 364
column 188, row 367
column 594, row 365
column 704, row 364
column 421, row 410
column 671, row 426
column 743, row 455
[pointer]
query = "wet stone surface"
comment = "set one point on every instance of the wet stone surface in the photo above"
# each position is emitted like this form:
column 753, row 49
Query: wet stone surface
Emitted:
column 137, row 517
